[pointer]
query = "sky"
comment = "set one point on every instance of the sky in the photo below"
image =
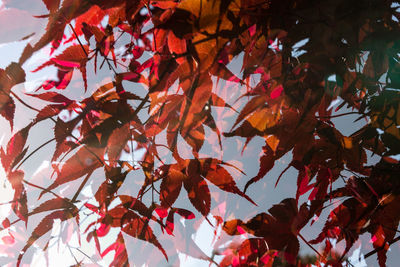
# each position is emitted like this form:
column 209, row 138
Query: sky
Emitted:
column 10, row 50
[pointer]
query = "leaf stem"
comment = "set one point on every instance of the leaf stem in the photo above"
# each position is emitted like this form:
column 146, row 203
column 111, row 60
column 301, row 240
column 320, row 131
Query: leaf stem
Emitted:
column 77, row 38
column 308, row 244
column 81, row 187
column 337, row 115
column 372, row 252
column 23, row 102
column 86, row 255
column 33, row 152
column 8, row 202
column 70, row 251
column 44, row 189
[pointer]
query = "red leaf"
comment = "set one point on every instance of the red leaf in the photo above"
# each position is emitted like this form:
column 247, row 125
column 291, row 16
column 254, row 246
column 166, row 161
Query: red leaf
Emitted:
column 276, row 92
column 85, row 161
column 302, row 182
column 6, row 223
column 267, row 162
column 121, row 255
column 72, row 57
column 201, row 95
column 44, row 226
column 8, row 239
column 117, row 141
column 103, row 230
column 217, row 101
column 195, row 138
column 135, row 204
column 53, row 97
column 161, row 212
column 137, row 227
column 53, row 204
column 114, row 179
column 8, row 110
column 20, row 200
column 169, row 224
column 279, row 229
column 64, row 78
column 185, row 213
column 171, row 186
column 198, row 192
column 93, row 208
column 52, row 5
column 177, row 46
column 170, row 219
column 222, row 178
column 48, row 111
column 251, row 106
column 15, row 149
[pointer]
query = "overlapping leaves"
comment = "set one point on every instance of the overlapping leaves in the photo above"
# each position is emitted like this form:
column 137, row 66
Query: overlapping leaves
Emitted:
column 176, row 50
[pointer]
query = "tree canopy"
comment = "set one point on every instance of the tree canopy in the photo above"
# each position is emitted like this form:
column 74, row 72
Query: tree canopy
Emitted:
column 158, row 108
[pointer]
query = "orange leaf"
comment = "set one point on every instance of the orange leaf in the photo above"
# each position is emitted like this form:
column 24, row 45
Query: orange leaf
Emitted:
column 85, row 161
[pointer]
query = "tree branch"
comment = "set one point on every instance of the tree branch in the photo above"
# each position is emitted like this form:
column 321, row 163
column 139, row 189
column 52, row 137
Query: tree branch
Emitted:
column 372, row 252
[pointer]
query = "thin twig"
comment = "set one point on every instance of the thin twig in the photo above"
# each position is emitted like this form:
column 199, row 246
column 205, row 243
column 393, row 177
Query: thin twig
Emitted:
column 85, row 255
column 81, row 187
column 308, row 244
column 337, row 115
column 70, row 251
column 33, row 152
column 372, row 252
column 44, row 189
column 8, row 202
column 77, row 38
column 23, row 103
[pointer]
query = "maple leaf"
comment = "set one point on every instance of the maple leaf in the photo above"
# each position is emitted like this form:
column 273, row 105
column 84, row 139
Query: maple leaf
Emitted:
column 267, row 162
column 369, row 208
column 169, row 226
column 15, row 149
column 84, row 162
column 131, row 223
column 171, row 185
column 9, row 77
column 53, row 204
column 43, row 227
column 117, row 141
column 53, row 97
column 114, row 179
column 279, row 229
column 192, row 174
column 52, row 5
column 198, row 193
column 20, row 201
column 249, row 252
column 121, row 255
column 292, row 70
column 7, row 110
column 72, row 57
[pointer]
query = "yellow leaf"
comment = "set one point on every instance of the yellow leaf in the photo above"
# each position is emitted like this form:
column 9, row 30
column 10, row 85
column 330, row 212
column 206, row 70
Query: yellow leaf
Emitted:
column 272, row 141
column 210, row 20
column 390, row 123
column 347, row 142
column 263, row 118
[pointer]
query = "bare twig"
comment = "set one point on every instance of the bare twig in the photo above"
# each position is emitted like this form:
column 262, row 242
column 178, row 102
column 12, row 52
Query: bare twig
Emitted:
column 77, row 38
column 337, row 115
column 33, row 152
column 308, row 244
column 372, row 252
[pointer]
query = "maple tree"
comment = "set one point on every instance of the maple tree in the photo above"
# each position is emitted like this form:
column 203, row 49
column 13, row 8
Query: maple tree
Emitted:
column 173, row 92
